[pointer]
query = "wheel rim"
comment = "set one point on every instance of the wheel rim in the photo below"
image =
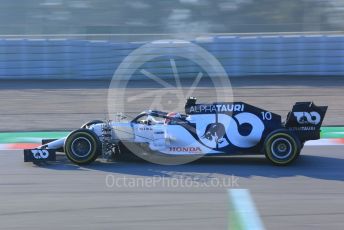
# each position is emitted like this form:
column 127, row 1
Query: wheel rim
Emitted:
column 81, row 147
column 281, row 148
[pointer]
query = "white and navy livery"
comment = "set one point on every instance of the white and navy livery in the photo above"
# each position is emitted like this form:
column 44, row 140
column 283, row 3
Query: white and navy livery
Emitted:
column 220, row 128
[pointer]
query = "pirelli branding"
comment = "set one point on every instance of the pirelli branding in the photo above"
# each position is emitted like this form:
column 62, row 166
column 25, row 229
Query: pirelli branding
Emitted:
column 216, row 108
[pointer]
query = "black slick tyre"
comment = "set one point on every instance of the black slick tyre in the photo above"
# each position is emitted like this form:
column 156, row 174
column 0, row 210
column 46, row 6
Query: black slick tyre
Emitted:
column 82, row 146
column 282, row 148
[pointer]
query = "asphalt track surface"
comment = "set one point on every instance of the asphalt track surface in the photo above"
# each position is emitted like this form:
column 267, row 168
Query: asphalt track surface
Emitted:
column 306, row 195
column 65, row 105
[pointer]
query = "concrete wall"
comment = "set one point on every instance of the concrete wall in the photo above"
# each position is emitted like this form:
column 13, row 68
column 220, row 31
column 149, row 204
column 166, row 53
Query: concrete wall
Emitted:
column 240, row 56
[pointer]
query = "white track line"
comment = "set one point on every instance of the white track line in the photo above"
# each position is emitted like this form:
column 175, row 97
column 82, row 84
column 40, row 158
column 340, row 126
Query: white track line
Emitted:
column 243, row 206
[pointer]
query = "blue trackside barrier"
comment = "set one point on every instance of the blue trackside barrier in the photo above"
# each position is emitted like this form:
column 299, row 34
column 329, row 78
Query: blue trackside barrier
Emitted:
column 290, row 55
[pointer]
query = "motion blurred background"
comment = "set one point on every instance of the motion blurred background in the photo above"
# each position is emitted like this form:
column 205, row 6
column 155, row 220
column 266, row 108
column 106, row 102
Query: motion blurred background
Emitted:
column 289, row 50
column 165, row 16
column 55, row 39
column 60, row 39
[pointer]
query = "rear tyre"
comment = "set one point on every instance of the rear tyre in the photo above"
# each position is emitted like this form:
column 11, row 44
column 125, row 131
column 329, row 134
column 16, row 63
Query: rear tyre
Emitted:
column 82, row 147
column 282, row 148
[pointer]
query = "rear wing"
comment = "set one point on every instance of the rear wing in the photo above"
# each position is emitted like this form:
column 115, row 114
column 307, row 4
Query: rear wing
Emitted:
column 306, row 115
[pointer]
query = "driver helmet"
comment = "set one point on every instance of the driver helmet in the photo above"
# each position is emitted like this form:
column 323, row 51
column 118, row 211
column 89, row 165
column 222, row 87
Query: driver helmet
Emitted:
column 172, row 115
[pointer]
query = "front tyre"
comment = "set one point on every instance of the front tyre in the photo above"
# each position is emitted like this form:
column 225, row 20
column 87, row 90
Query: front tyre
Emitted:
column 282, row 148
column 82, row 146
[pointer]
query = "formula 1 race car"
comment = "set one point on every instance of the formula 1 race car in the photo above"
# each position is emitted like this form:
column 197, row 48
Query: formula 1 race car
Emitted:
column 234, row 128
